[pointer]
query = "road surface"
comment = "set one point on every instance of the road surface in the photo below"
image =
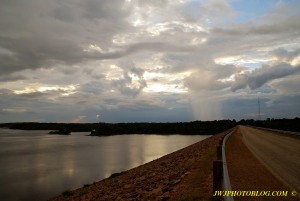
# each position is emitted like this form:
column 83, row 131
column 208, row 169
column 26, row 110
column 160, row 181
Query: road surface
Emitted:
column 279, row 152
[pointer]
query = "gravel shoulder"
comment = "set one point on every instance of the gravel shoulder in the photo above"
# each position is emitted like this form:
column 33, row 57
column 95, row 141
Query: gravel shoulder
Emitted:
column 247, row 173
column 183, row 175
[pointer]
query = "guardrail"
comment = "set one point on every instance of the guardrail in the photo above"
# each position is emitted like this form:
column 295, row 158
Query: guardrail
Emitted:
column 279, row 131
column 220, row 171
column 227, row 186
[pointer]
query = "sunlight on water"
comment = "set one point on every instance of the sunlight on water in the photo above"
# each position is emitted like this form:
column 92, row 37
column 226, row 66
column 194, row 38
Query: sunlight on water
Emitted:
column 37, row 166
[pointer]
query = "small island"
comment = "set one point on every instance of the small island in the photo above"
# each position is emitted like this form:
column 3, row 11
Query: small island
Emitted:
column 62, row 131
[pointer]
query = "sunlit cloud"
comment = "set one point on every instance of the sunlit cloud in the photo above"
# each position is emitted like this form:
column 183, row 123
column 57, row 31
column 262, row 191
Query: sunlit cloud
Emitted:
column 157, row 29
column 164, row 82
column 114, row 73
column 171, row 88
column 79, row 119
column 65, row 91
column 93, row 48
column 244, row 60
column 15, row 110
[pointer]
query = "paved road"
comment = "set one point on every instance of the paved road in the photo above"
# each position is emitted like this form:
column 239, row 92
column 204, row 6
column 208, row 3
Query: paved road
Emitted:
column 279, row 152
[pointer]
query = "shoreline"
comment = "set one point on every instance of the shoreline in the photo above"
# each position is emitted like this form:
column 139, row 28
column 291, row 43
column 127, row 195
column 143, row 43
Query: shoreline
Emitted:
column 168, row 177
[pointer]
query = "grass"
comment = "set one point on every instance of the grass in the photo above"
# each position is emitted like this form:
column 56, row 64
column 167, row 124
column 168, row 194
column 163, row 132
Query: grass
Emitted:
column 113, row 175
column 67, row 193
column 82, row 193
column 86, row 185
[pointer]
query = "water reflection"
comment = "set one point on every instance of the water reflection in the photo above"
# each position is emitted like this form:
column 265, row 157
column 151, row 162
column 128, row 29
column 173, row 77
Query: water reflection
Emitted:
column 37, row 166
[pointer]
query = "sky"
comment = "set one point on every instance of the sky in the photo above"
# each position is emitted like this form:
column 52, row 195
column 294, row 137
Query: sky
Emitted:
column 148, row 61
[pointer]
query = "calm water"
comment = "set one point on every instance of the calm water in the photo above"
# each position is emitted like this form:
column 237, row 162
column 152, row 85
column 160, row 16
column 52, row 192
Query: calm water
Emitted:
column 38, row 166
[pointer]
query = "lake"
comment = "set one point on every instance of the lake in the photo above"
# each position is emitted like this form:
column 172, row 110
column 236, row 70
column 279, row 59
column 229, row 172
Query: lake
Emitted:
column 37, row 166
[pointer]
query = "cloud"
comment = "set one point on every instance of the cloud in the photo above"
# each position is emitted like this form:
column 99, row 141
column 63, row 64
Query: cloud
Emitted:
column 281, row 20
column 49, row 36
column 11, row 77
column 286, row 56
column 56, row 31
column 212, row 77
column 128, row 85
column 287, row 87
column 208, row 11
column 260, row 76
column 79, row 119
column 43, row 55
column 135, row 104
column 17, row 110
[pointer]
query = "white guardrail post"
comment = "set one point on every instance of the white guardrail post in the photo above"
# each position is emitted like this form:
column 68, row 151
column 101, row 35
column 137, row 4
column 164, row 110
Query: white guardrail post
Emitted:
column 227, row 186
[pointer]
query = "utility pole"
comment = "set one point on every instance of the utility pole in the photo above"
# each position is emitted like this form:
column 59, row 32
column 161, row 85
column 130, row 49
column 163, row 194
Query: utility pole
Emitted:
column 258, row 109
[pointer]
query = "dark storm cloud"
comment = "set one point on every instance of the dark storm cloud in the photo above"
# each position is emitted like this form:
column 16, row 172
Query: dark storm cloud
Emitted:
column 32, row 53
column 9, row 78
column 160, row 47
column 141, row 47
column 41, row 34
column 260, row 76
column 284, row 55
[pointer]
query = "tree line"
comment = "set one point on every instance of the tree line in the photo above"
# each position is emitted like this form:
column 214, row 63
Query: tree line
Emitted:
column 183, row 128
column 280, row 124
column 103, row 129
